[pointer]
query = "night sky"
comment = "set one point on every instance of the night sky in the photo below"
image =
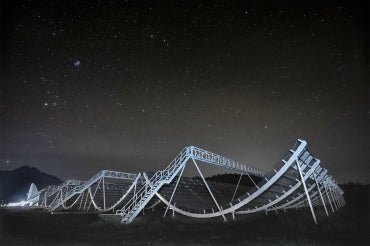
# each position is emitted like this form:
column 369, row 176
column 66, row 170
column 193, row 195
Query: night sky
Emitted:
column 125, row 85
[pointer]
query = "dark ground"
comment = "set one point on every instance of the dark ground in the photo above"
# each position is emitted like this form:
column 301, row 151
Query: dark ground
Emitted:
column 350, row 226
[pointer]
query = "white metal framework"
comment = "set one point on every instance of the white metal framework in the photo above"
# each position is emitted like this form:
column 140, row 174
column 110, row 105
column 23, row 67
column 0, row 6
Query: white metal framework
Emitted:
column 297, row 181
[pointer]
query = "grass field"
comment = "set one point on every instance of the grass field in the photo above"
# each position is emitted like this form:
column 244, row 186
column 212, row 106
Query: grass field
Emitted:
column 350, row 226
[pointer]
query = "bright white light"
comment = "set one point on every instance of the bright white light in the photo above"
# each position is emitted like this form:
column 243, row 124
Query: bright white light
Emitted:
column 18, row 204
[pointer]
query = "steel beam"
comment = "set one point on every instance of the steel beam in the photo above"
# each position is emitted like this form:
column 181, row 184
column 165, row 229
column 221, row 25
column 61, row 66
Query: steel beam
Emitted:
column 209, row 190
column 308, row 195
column 174, row 190
column 322, row 199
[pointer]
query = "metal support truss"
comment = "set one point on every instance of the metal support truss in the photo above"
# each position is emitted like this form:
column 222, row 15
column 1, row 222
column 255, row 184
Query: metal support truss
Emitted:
column 80, row 187
column 237, row 186
column 322, row 198
column 305, row 189
column 174, row 190
column 328, row 197
column 218, row 160
column 209, row 190
column 297, row 181
column 279, row 202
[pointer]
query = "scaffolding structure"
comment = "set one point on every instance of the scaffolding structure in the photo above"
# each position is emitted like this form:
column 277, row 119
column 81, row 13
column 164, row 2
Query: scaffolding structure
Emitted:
column 297, row 181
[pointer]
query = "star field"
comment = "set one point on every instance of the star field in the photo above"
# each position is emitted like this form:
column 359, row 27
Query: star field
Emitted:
column 125, row 85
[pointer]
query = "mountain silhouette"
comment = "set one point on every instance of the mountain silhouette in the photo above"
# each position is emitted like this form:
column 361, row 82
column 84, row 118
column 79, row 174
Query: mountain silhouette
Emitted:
column 15, row 184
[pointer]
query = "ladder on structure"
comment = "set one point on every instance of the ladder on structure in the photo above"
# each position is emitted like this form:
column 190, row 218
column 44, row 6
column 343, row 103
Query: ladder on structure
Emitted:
column 133, row 207
column 146, row 192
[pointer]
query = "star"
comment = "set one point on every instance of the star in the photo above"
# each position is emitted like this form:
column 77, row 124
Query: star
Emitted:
column 77, row 63
column 212, row 78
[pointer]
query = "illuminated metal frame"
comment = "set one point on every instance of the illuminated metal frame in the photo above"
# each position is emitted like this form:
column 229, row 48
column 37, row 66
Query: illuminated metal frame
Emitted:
column 309, row 186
